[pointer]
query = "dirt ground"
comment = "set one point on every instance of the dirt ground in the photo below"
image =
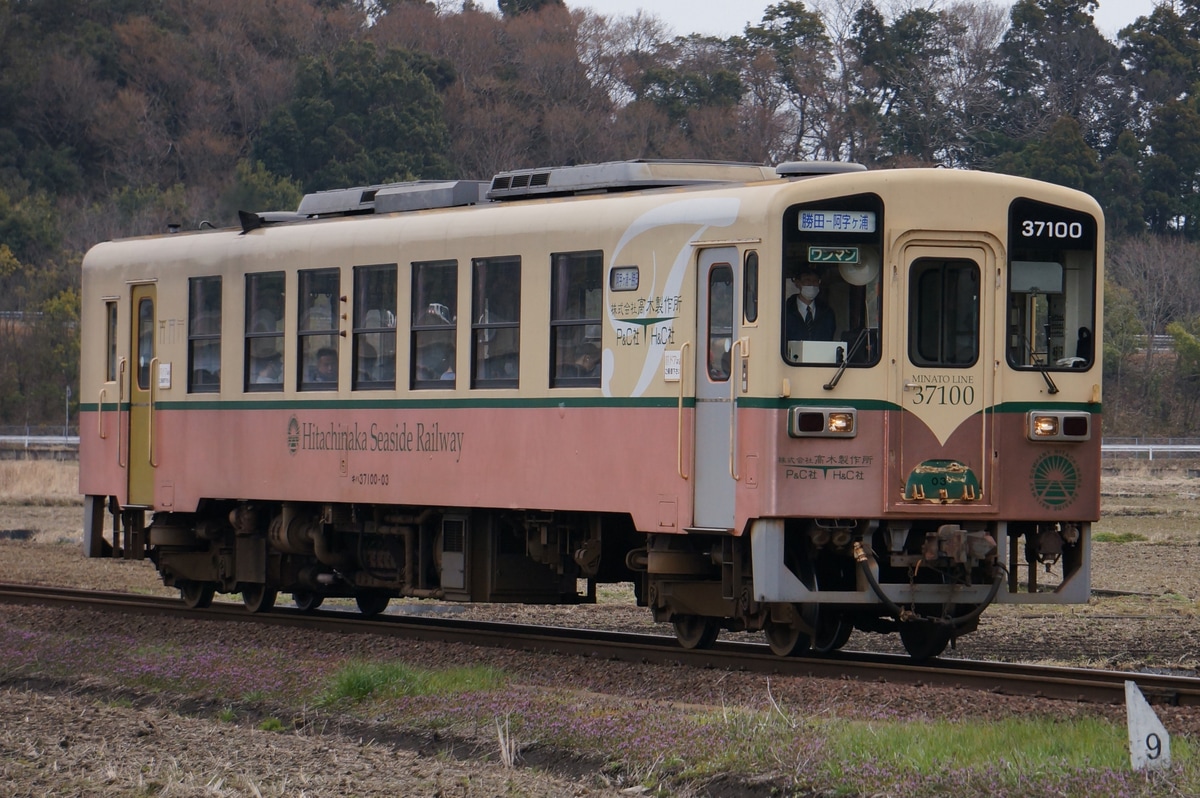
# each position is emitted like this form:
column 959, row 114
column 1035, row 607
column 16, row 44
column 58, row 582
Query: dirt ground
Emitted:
column 89, row 738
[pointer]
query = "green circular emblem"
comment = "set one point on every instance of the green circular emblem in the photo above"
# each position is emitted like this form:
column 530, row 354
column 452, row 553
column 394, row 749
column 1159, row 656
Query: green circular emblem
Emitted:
column 293, row 435
column 1054, row 480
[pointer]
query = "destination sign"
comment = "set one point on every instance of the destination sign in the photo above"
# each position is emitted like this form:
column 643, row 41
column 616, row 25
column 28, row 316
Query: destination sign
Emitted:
column 837, row 221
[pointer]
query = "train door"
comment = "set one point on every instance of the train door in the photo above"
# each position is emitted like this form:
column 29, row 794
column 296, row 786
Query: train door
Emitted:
column 140, row 445
column 945, row 376
column 714, row 482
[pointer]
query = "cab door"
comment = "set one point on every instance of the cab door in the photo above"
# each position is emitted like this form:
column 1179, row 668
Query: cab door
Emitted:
column 140, row 446
column 716, row 290
column 944, row 381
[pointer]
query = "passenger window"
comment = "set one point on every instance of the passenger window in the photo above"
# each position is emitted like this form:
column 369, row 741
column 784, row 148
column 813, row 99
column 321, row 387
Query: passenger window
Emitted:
column 434, row 323
column 1051, row 287
column 264, row 331
column 750, row 288
column 944, row 313
column 320, row 319
column 374, row 327
column 495, row 322
column 110, row 309
column 204, row 334
column 576, row 298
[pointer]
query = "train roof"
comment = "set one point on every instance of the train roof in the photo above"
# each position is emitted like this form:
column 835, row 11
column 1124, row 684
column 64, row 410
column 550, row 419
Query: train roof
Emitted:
column 542, row 182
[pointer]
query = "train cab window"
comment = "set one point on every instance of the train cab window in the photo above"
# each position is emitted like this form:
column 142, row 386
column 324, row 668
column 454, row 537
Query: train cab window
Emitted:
column 576, row 297
column 832, row 300
column 720, row 322
column 434, row 323
column 495, row 322
column 204, row 334
column 1051, row 287
column 320, row 318
column 264, row 331
column 944, row 313
column 110, row 311
column 374, row 327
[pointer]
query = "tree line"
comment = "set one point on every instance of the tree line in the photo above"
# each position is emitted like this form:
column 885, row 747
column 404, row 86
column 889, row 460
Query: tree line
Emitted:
column 118, row 117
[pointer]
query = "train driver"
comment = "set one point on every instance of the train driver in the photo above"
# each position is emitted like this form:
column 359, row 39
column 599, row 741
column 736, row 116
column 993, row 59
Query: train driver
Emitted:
column 806, row 319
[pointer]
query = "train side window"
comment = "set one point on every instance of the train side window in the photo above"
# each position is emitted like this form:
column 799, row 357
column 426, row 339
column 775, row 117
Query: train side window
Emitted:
column 720, row 321
column 374, row 327
column 750, row 287
column 110, row 311
column 495, row 322
column 576, row 298
column 944, row 313
column 320, row 318
column 264, row 332
column 434, row 323
column 204, row 334
column 1051, row 308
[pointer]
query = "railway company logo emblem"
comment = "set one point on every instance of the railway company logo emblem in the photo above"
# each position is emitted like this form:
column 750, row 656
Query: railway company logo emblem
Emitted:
column 1054, row 480
column 293, row 436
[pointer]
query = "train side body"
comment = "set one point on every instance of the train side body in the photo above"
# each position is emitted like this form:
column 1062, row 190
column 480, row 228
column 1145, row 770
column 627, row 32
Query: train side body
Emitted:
column 930, row 459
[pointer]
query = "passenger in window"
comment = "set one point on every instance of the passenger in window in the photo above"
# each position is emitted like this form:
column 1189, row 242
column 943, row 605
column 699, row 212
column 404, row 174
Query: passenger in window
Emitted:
column 808, row 319
column 326, row 370
column 1083, row 347
column 587, row 361
column 268, row 370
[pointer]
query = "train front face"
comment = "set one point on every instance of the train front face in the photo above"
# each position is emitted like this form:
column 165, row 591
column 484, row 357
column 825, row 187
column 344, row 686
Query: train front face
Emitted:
column 932, row 411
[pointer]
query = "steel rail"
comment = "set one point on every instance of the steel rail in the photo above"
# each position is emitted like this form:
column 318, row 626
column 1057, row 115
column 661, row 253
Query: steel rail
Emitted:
column 1050, row 682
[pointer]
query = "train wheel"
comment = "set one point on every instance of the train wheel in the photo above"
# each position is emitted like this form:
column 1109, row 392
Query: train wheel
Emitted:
column 197, row 595
column 258, row 598
column 785, row 637
column 696, row 631
column 923, row 640
column 306, row 601
column 371, row 604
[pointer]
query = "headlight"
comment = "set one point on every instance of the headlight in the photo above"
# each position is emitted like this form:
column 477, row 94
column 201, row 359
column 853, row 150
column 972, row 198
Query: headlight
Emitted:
column 822, row 422
column 1047, row 425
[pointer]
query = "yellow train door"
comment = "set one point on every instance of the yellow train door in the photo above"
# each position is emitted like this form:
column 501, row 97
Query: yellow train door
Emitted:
column 141, row 443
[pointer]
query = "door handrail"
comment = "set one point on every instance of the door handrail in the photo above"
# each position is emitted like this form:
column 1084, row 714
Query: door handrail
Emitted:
column 679, row 431
column 100, row 416
column 120, row 398
column 741, row 348
column 150, row 414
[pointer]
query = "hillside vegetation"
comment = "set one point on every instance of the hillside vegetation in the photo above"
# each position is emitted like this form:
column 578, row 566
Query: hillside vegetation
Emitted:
column 120, row 117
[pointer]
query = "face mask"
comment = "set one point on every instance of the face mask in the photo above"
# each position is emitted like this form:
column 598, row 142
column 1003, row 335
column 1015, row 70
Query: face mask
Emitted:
column 810, row 292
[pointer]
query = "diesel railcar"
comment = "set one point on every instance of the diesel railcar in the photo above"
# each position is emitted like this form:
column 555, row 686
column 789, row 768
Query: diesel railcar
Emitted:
column 515, row 390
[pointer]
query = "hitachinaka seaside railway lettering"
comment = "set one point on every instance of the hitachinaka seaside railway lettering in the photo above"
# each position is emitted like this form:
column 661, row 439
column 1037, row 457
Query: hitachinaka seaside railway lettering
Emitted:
column 421, row 438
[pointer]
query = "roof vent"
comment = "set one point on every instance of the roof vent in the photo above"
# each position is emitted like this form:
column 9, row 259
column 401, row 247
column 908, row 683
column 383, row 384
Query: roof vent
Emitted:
column 621, row 176
column 393, row 197
column 814, row 168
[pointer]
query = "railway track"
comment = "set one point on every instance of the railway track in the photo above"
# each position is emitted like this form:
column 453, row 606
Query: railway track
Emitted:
column 1060, row 683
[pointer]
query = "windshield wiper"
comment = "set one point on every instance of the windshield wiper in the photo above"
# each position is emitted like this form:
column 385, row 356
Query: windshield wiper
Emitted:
column 862, row 336
column 1044, row 370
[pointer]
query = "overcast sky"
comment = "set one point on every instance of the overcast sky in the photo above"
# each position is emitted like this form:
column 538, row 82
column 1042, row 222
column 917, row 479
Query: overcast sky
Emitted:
column 727, row 17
